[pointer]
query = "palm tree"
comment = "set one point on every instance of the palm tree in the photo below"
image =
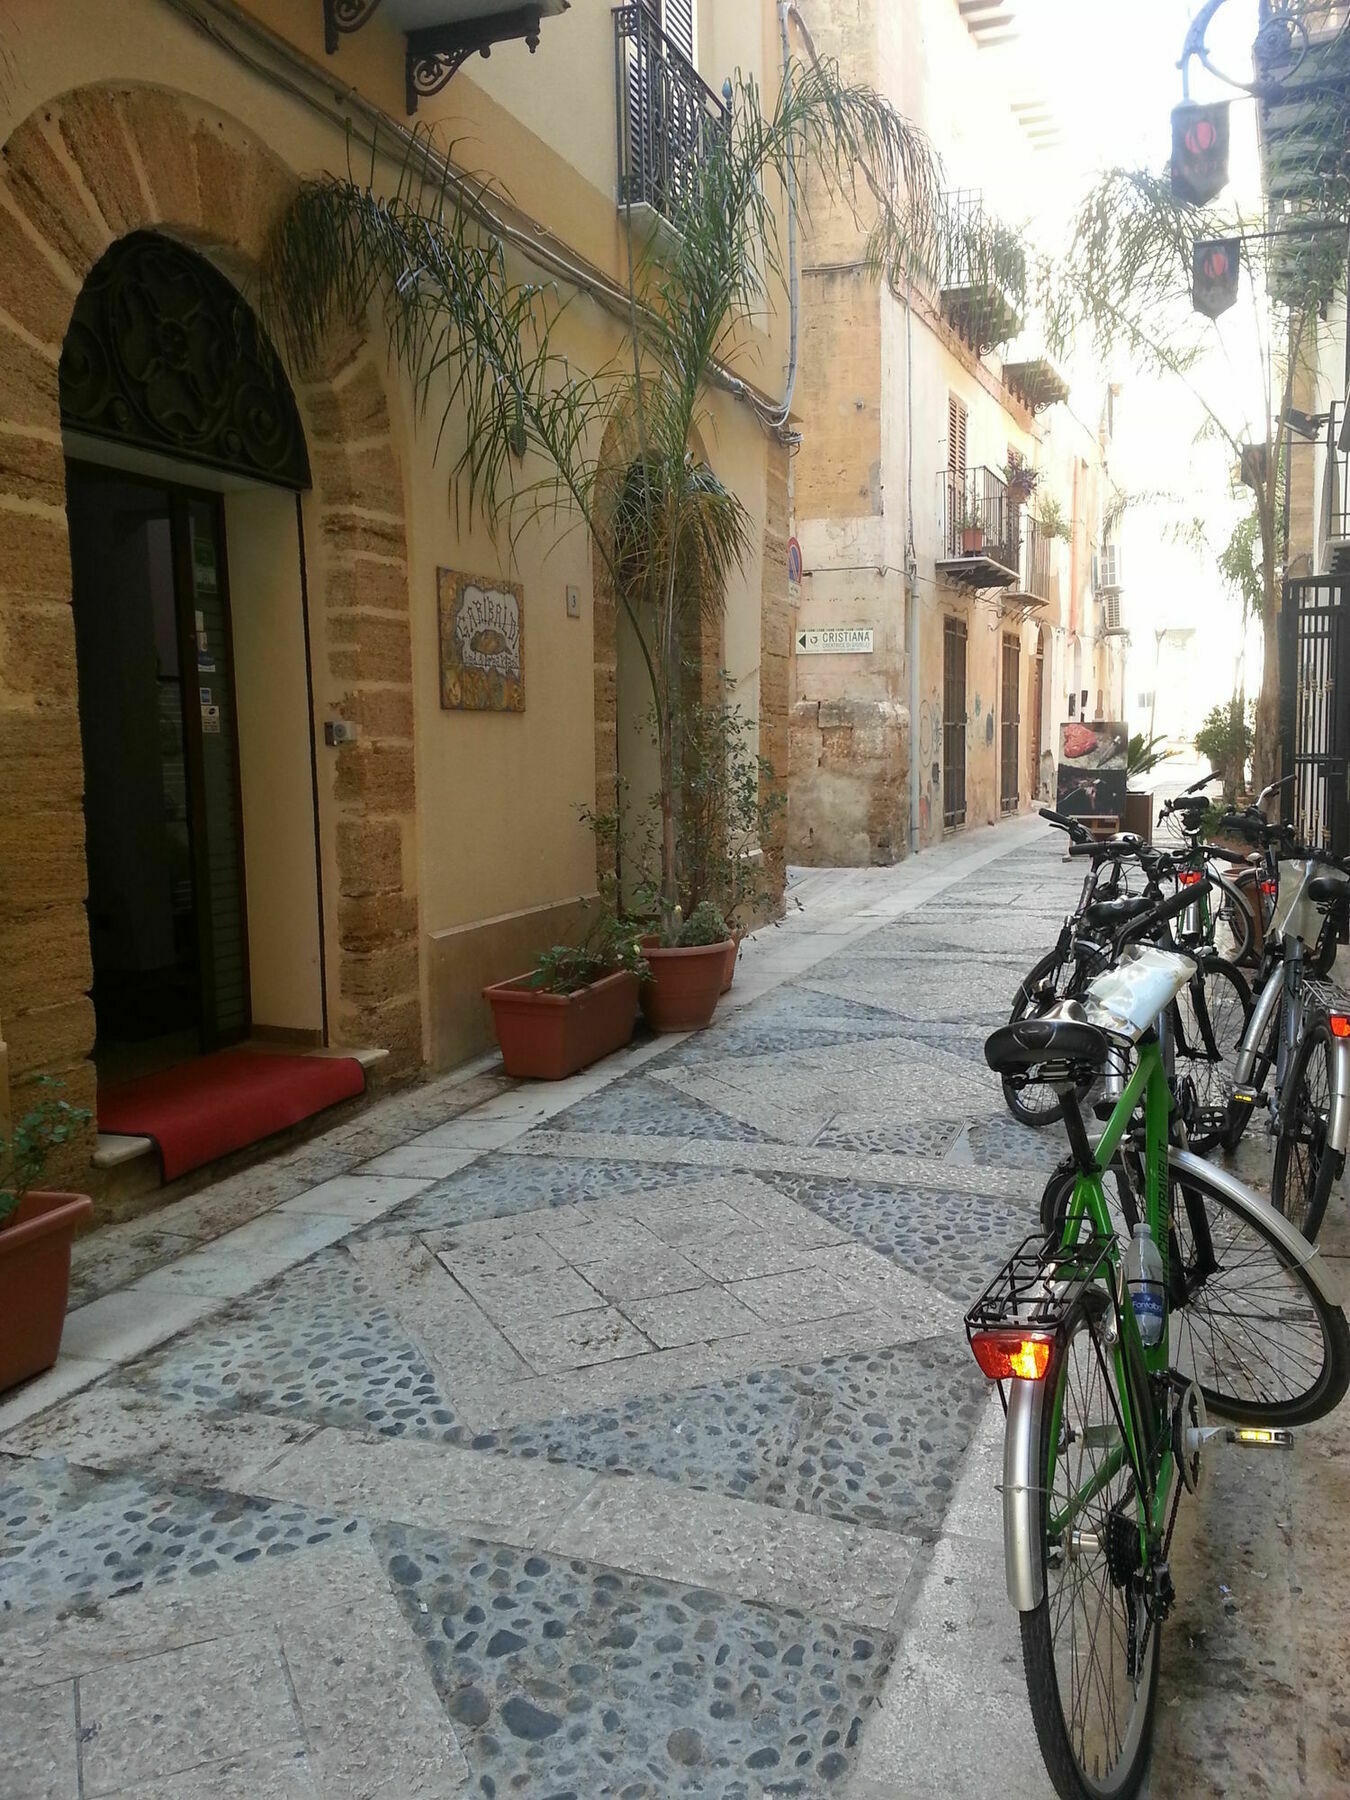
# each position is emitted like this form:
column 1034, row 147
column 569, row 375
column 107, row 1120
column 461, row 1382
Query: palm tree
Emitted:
column 535, row 437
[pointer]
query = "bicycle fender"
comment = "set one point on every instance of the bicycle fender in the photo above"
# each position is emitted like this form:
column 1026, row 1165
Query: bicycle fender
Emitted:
column 1243, row 1200
column 1022, row 1493
column 1338, row 1123
column 1258, row 1029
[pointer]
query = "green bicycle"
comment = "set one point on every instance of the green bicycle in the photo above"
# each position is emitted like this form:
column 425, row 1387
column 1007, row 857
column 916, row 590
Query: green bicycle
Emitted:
column 1111, row 1352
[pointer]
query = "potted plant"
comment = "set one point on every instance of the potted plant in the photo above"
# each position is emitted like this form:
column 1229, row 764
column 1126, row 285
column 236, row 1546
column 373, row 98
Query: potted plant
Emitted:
column 972, row 532
column 1020, row 477
column 689, row 976
column 729, row 805
column 578, row 1004
column 36, row 1229
column 1141, row 758
column 1050, row 519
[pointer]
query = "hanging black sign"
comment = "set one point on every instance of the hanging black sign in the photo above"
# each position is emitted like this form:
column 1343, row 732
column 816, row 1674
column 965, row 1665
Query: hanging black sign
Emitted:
column 1199, row 152
column 1215, row 275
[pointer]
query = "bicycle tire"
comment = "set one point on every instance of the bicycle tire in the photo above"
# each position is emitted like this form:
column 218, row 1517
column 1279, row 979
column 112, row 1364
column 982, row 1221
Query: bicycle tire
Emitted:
column 1301, row 1184
column 1231, row 930
column 1067, row 1734
column 1290, row 1337
column 1228, row 1001
column 1321, row 959
column 1048, row 1109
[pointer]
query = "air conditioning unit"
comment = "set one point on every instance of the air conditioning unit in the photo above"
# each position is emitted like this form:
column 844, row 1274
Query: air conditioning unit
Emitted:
column 1111, row 622
column 1108, row 570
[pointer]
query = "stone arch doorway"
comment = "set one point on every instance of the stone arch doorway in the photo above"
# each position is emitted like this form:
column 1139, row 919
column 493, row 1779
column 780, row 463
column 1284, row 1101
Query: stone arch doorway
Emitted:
column 185, row 460
column 84, row 171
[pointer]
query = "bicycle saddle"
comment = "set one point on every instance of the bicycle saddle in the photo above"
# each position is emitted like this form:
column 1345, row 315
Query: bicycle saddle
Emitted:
column 1326, row 890
column 1034, row 1043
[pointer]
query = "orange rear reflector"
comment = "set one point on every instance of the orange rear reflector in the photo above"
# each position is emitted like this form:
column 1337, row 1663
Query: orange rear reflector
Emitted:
column 1007, row 1355
column 1190, row 877
column 1340, row 1025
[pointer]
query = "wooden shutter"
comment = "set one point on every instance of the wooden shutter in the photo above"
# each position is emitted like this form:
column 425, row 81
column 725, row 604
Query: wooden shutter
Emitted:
column 677, row 21
column 956, row 435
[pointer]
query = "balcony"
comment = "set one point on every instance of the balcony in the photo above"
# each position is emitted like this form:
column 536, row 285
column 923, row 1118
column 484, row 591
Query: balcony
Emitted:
column 668, row 117
column 979, row 529
column 981, row 273
column 1036, row 382
column 1040, row 563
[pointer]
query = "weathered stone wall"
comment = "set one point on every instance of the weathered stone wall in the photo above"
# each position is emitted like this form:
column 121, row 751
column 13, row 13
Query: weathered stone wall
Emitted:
column 850, row 784
column 77, row 175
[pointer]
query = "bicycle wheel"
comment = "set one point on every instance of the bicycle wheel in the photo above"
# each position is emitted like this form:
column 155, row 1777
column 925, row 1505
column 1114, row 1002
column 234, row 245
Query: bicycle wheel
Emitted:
column 1306, row 1168
column 1089, row 1649
column 1037, row 1103
column 1231, row 921
column 1322, row 957
column 1226, row 999
column 1249, row 1324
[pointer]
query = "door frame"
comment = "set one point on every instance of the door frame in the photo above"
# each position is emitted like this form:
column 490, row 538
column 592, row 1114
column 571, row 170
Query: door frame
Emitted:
column 180, row 495
column 1010, row 729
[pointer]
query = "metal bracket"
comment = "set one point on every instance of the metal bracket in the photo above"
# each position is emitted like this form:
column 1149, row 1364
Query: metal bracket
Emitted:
column 436, row 53
column 341, row 17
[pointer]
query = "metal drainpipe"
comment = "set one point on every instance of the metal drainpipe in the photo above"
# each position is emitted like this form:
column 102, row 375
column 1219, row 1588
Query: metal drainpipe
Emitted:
column 912, row 580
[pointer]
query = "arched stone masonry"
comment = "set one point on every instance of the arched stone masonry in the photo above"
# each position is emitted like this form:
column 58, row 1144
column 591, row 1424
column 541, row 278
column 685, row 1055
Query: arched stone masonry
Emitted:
column 80, row 172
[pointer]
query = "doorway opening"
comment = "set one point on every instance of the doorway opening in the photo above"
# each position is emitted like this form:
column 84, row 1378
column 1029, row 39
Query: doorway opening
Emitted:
column 953, row 723
column 163, row 819
column 1010, row 713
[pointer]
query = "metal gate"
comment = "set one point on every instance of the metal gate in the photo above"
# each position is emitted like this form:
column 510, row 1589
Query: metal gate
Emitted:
column 1010, row 715
column 953, row 723
column 1315, row 709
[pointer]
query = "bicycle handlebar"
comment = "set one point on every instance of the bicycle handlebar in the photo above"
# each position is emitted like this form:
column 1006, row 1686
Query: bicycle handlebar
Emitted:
column 1077, row 832
column 1166, row 909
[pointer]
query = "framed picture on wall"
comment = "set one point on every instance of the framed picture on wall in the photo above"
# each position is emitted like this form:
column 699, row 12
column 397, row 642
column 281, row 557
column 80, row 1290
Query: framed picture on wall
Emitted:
column 482, row 629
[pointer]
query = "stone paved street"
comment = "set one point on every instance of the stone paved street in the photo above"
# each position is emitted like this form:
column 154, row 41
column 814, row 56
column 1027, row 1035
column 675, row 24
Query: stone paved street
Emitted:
column 618, row 1438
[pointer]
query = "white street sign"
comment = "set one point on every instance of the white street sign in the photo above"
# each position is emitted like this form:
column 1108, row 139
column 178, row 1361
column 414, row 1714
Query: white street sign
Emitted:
column 848, row 640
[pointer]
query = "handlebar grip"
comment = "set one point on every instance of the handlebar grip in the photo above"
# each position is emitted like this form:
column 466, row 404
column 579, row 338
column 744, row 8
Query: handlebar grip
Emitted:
column 1076, row 831
column 1168, row 909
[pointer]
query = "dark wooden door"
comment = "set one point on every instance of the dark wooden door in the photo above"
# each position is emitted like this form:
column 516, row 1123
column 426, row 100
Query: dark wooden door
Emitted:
column 953, row 723
column 1010, row 716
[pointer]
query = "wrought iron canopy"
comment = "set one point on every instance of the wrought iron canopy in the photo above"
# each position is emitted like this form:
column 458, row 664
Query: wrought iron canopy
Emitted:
column 441, row 35
column 164, row 354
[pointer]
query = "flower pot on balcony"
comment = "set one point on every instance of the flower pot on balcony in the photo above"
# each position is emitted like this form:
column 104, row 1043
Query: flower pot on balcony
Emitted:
column 546, row 1037
column 685, row 985
column 35, row 1281
column 972, row 540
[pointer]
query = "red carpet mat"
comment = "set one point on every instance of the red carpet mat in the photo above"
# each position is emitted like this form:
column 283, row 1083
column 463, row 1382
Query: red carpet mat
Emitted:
column 203, row 1109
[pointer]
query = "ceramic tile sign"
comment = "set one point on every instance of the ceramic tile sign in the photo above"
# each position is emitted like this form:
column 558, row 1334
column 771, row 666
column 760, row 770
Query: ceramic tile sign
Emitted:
column 482, row 643
column 1092, row 756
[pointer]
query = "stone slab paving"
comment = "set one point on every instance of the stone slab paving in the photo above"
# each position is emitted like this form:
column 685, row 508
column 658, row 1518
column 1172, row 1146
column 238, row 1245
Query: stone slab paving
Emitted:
column 612, row 1438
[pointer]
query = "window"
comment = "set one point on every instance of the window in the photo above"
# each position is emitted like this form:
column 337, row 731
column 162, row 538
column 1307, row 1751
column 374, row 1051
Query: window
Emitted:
column 1145, row 701
column 676, row 19
column 957, row 416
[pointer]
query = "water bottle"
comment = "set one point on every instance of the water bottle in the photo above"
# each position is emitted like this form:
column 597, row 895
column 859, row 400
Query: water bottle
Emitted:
column 1144, row 1274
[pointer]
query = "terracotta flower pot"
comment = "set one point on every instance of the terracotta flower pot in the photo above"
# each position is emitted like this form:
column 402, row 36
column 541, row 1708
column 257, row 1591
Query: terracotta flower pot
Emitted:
column 972, row 540
column 685, row 985
column 35, row 1281
column 545, row 1037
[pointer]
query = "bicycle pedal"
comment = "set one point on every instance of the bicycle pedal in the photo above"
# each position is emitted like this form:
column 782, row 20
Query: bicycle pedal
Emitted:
column 1249, row 1437
column 1245, row 1096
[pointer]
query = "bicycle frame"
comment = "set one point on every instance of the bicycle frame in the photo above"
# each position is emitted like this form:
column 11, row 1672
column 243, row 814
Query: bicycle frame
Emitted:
column 1144, row 1442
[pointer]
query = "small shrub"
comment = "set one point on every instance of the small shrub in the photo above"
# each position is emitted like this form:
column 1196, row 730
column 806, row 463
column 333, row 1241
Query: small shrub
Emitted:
column 705, row 925
column 42, row 1129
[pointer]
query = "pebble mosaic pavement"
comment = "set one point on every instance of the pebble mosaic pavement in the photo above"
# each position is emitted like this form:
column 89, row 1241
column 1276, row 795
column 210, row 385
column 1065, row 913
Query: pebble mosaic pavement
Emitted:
column 756, row 1303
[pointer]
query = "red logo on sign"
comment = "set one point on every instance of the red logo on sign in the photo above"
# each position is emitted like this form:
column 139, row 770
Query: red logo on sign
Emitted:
column 1201, row 137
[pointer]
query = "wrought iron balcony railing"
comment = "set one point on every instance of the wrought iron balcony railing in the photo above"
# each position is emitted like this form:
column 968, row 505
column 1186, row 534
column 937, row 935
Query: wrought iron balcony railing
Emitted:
column 980, row 528
column 667, row 115
column 981, row 270
column 1040, row 562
